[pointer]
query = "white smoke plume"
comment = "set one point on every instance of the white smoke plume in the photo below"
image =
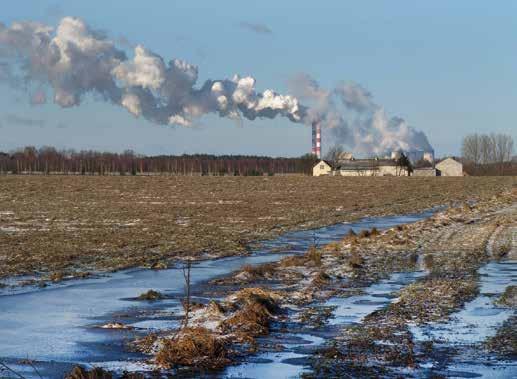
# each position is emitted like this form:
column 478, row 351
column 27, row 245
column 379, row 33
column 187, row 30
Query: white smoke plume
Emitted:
column 76, row 60
column 351, row 118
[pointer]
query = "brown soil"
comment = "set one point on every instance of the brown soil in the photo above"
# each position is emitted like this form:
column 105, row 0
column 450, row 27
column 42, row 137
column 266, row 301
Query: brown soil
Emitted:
column 65, row 226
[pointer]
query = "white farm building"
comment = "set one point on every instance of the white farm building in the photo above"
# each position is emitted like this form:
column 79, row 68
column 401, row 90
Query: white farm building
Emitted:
column 360, row 167
column 384, row 167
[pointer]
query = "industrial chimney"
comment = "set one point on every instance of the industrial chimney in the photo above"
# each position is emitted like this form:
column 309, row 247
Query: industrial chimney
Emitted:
column 316, row 139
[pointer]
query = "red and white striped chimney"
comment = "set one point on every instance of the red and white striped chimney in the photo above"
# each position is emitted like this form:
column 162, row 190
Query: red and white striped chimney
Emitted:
column 316, row 139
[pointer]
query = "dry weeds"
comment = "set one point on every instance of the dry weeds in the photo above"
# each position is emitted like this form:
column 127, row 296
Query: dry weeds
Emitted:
column 198, row 347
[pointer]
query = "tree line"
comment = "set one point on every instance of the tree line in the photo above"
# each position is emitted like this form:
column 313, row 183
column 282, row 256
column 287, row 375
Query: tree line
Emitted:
column 48, row 160
column 489, row 154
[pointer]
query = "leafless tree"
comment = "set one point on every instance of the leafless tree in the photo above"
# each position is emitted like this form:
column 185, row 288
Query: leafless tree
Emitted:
column 186, row 275
column 334, row 154
column 471, row 148
column 503, row 146
column 488, row 149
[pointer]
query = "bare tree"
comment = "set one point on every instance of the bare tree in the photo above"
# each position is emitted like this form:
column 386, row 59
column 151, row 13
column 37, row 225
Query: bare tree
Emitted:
column 488, row 149
column 334, row 154
column 186, row 275
column 471, row 148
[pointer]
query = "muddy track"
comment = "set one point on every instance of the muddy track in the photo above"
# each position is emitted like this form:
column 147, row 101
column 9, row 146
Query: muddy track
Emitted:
column 454, row 246
column 383, row 344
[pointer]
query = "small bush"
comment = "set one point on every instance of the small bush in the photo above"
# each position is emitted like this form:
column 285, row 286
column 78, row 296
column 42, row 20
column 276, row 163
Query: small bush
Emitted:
column 374, row 232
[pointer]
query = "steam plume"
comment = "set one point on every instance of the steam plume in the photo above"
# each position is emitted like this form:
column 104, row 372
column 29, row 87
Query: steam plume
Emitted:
column 75, row 60
column 351, row 118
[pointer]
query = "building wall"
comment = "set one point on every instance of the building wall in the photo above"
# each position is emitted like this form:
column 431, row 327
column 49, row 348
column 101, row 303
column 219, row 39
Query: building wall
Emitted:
column 424, row 172
column 450, row 167
column 392, row 171
column 321, row 168
column 378, row 171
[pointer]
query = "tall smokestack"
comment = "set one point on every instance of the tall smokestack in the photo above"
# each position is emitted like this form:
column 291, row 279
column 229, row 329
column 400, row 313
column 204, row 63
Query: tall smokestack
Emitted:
column 316, row 139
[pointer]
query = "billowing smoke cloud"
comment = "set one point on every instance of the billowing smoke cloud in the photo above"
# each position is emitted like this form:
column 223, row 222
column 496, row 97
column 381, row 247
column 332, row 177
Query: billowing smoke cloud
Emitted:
column 351, row 118
column 76, row 60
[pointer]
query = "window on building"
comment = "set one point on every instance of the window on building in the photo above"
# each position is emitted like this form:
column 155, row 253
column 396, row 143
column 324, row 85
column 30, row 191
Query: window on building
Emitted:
column 322, row 167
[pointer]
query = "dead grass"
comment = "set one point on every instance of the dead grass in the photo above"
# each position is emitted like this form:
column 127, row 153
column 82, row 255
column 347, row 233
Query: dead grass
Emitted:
column 313, row 256
column 151, row 295
column 67, row 224
column 355, row 259
column 255, row 309
column 196, row 347
column 79, row 372
column 261, row 271
column 509, row 297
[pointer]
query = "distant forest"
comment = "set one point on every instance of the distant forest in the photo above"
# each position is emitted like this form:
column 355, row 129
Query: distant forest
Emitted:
column 48, row 160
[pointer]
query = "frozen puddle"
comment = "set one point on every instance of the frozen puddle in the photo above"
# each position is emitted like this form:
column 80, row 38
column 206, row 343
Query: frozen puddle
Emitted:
column 477, row 321
column 350, row 310
column 480, row 317
column 353, row 309
column 276, row 364
column 56, row 324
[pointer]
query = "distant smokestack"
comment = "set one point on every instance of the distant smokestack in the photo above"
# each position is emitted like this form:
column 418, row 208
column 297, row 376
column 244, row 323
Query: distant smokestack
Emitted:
column 316, row 139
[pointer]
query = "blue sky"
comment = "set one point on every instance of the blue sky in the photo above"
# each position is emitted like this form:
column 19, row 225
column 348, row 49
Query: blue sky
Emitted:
column 447, row 67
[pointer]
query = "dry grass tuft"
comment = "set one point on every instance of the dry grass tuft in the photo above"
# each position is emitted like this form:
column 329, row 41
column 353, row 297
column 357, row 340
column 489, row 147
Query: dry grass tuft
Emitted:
column 504, row 249
column 151, row 295
column 355, row 259
column 256, row 308
column 313, row 256
column 260, row 271
column 321, row 279
column 509, row 297
column 293, row 261
column 428, row 262
column 196, row 347
column 364, row 234
column 79, row 372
